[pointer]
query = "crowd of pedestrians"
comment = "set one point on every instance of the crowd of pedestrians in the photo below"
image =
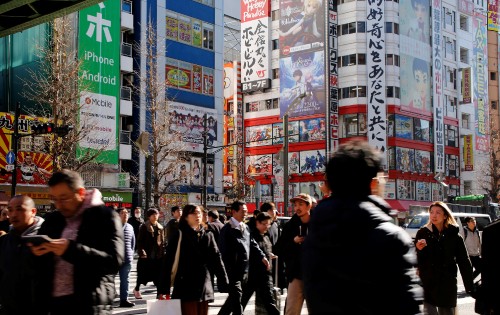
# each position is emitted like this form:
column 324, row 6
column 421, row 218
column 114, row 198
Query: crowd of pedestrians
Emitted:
column 339, row 255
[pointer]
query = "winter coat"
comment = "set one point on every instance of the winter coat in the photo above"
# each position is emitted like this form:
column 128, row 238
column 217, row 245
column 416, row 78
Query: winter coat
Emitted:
column 356, row 261
column 171, row 228
column 258, row 271
column 490, row 273
column 215, row 228
column 136, row 224
column 96, row 255
column 149, row 244
column 199, row 256
column 18, row 280
column 437, row 265
column 129, row 239
column 289, row 251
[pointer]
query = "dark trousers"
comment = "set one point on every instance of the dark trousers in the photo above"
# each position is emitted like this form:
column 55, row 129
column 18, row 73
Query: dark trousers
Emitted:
column 64, row 305
column 233, row 301
column 262, row 285
column 476, row 263
column 194, row 308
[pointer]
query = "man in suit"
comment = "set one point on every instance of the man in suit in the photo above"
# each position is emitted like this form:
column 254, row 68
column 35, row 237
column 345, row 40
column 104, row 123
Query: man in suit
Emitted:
column 490, row 273
column 236, row 247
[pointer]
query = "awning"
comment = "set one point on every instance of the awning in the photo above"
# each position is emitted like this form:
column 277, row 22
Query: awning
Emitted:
column 404, row 205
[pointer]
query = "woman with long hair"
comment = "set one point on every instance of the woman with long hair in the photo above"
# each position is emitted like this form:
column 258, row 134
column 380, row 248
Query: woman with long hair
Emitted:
column 198, row 256
column 439, row 249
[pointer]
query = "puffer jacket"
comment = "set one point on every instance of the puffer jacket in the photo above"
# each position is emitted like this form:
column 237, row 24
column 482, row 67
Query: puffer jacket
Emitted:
column 437, row 265
column 356, row 261
column 18, row 279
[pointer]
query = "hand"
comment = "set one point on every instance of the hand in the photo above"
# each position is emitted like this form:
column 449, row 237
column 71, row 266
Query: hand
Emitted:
column 299, row 239
column 273, row 256
column 266, row 263
column 57, row 246
column 421, row 244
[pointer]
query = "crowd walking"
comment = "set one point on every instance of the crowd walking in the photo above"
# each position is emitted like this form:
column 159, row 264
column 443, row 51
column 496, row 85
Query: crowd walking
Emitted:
column 339, row 255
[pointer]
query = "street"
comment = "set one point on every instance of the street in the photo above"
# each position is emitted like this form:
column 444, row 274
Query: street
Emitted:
column 465, row 303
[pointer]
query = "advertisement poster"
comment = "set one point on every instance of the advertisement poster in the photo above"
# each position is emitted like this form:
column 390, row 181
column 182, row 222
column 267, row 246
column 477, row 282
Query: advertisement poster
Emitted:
column 302, row 26
column 312, row 189
column 187, row 121
column 423, row 162
column 208, row 81
column 312, row 129
column 185, row 32
column 172, row 27
column 493, row 15
column 258, row 135
column 390, row 189
column 423, row 191
column 415, row 67
column 312, row 161
column 404, row 127
column 405, row 159
column 183, row 173
column 99, row 51
column 293, row 162
column 422, row 130
column 302, row 73
column 452, row 163
column 196, row 174
column 468, row 153
column 197, row 78
column 405, row 189
column 333, row 107
column 259, row 164
column 197, row 38
column 184, row 76
column 480, row 70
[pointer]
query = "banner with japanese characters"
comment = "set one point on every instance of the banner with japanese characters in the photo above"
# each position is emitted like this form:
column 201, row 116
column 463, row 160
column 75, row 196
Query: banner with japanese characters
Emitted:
column 375, row 42
column 333, row 110
column 437, row 74
column 468, row 153
column 480, row 69
column 466, row 86
column 255, row 43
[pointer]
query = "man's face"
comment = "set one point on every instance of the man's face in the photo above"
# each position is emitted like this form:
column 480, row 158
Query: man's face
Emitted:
column 241, row 214
column 263, row 226
column 124, row 216
column 21, row 214
column 177, row 214
column 28, row 159
column 137, row 213
column 301, row 208
column 4, row 215
column 66, row 200
column 471, row 224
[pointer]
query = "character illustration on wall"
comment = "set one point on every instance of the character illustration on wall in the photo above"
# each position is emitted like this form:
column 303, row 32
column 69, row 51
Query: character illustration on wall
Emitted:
column 305, row 31
column 29, row 170
column 196, row 172
column 293, row 164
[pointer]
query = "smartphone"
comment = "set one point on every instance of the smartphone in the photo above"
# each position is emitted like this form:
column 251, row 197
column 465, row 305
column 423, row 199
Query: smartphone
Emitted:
column 36, row 239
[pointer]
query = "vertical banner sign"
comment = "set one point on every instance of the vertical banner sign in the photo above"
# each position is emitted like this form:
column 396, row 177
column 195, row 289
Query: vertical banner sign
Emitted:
column 468, row 153
column 333, row 72
column 466, row 86
column 437, row 70
column 375, row 40
column 99, row 50
column 481, row 83
column 493, row 15
column 255, row 51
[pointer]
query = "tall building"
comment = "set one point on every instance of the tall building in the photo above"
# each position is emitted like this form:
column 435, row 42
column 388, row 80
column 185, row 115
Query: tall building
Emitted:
column 408, row 76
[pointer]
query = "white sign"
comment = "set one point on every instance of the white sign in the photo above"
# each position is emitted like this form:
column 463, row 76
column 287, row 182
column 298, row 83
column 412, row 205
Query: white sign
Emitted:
column 437, row 74
column 98, row 121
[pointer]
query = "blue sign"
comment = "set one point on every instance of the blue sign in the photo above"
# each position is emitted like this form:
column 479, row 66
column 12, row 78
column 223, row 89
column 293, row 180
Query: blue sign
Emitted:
column 10, row 157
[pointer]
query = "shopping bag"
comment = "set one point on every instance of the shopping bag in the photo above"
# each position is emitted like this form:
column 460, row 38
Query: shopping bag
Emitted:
column 164, row 307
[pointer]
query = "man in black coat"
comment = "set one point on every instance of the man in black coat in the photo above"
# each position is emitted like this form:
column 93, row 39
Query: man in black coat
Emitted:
column 237, row 247
column 214, row 224
column 136, row 221
column 79, row 264
column 491, row 273
column 355, row 260
column 173, row 225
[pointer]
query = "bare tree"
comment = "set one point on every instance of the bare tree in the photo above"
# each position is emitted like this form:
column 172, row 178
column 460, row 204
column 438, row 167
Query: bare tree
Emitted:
column 161, row 145
column 489, row 179
column 55, row 89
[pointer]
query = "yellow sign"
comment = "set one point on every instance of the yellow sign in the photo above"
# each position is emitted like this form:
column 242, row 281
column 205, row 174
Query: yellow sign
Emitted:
column 468, row 153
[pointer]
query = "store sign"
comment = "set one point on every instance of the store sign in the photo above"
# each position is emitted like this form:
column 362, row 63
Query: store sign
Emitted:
column 480, row 69
column 333, row 69
column 99, row 51
column 437, row 69
column 466, row 86
column 116, row 197
column 468, row 153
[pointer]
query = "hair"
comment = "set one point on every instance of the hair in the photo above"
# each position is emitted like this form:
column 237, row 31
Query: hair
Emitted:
column 175, row 208
column 351, row 169
column 266, row 206
column 25, row 199
column 469, row 219
column 263, row 216
column 213, row 214
column 420, row 65
column 222, row 217
column 68, row 177
column 297, row 72
column 449, row 219
column 118, row 210
column 152, row 211
column 235, row 206
column 187, row 210
column 256, row 212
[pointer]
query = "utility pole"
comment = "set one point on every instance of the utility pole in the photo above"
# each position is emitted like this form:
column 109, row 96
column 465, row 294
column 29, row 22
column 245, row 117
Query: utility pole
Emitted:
column 285, row 164
column 15, row 146
column 205, row 161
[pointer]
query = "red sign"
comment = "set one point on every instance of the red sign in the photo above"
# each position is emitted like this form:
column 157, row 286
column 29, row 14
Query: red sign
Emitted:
column 254, row 10
column 466, row 6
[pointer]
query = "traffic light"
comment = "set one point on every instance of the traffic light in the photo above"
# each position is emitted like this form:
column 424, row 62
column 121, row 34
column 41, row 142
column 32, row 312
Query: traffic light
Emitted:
column 41, row 129
column 62, row 131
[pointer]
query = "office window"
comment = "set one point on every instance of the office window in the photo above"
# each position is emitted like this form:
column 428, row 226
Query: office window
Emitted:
column 494, row 104
column 464, row 55
column 276, row 44
column 361, row 27
column 276, row 73
column 449, row 18
column 208, row 37
column 465, row 121
column 275, row 15
column 361, row 59
column 392, row 60
column 464, row 23
column 493, row 76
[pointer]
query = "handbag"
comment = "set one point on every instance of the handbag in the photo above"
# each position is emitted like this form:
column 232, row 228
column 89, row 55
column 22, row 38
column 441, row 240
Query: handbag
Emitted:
column 175, row 265
column 162, row 307
column 480, row 304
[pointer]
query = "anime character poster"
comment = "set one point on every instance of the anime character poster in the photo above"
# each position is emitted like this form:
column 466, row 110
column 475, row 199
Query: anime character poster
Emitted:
column 404, row 127
column 423, row 191
column 293, row 163
column 259, row 135
column 312, row 129
column 302, row 73
column 414, row 24
column 196, row 174
column 390, row 189
column 302, row 26
column 422, row 130
column 293, row 190
column 423, row 162
column 293, row 132
column 405, row 189
column 210, row 175
column 405, row 159
column 312, row 189
column 183, row 173
column 259, row 164
column 312, row 161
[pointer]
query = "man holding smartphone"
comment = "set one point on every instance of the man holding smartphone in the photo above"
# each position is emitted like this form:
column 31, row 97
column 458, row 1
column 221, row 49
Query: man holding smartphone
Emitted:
column 289, row 247
column 18, row 285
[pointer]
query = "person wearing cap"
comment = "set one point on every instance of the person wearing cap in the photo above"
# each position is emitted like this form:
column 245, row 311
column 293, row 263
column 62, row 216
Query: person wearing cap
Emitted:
column 151, row 249
column 355, row 260
column 289, row 248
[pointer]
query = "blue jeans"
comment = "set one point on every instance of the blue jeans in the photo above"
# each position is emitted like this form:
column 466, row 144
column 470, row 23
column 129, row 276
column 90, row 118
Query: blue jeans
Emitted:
column 124, row 280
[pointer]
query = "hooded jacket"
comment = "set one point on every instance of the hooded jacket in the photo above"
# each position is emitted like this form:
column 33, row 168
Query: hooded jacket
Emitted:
column 96, row 254
column 356, row 261
column 437, row 265
column 18, row 281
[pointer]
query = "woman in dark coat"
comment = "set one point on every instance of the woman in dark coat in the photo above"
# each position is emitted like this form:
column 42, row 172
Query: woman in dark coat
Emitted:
column 439, row 249
column 198, row 256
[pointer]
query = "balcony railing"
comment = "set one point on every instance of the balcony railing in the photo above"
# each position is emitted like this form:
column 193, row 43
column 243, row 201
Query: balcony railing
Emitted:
column 127, row 6
column 125, row 137
column 126, row 93
column 127, row 49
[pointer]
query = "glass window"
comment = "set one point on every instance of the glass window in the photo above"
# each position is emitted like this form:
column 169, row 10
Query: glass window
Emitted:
column 396, row 28
column 345, row 29
column 345, row 60
column 361, row 59
column 421, row 130
column 352, row 59
column 353, row 90
column 389, row 91
column 352, row 27
column 361, row 27
column 388, row 27
column 405, row 189
column 350, row 125
column 361, row 91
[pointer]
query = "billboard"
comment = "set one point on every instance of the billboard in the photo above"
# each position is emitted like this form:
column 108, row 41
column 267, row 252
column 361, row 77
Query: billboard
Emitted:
column 468, row 153
column 99, row 50
column 480, row 69
column 493, row 15
column 466, row 86
column 333, row 109
column 255, row 52
column 302, row 73
column 376, row 90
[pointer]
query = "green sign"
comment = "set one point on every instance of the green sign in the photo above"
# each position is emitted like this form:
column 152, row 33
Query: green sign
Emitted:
column 99, row 50
column 114, row 196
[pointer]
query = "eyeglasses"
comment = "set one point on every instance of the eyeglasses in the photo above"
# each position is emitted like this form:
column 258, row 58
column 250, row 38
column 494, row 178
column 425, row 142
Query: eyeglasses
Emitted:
column 61, row 200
